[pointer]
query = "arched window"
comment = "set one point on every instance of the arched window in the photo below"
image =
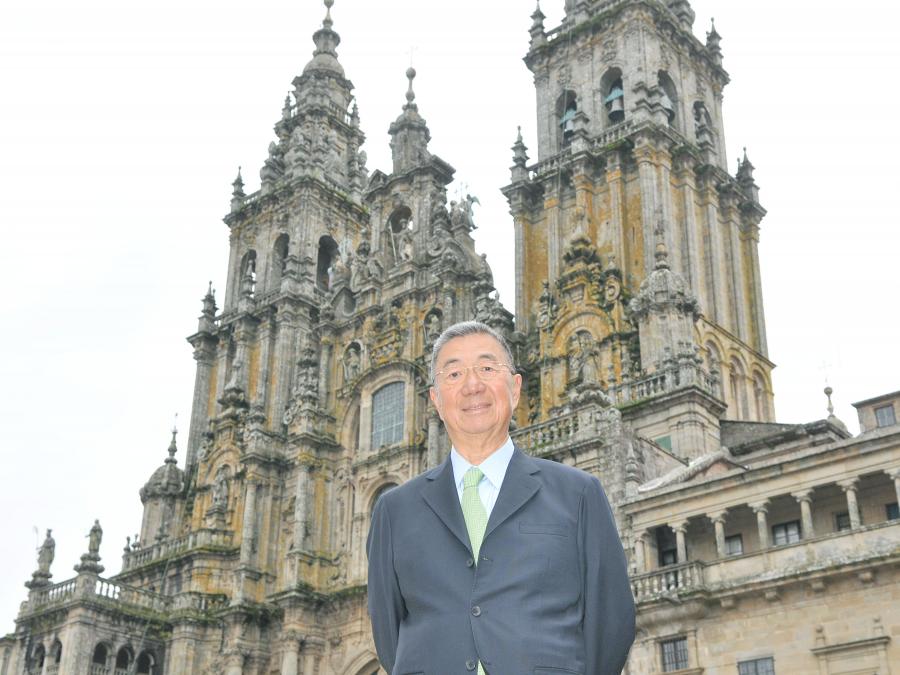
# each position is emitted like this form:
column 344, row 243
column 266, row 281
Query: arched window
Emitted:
column 400, row 234
column 101, row 654
column 668, row 97
column 37, row 659
column 328, row 251
column 714, row 365
column 760, row 398
column 123, row 658
column 566, row 107
column 738, row 395
column 145, row 663
column 56, row 652
column 279, row 259
column 613, row 92
column 387, row 415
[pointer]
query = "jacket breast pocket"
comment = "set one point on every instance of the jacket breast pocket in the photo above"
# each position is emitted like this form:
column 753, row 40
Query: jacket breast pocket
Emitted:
column 556, row 529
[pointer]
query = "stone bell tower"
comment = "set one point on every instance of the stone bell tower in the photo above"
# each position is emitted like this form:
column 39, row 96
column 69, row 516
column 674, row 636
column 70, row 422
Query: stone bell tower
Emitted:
column 631, row 163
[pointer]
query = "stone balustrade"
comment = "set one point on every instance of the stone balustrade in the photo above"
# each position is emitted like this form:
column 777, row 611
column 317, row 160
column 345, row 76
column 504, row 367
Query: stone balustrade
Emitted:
column 543, row 437
column 667, row 580
column 673, row 375
column 53, row 594
column 198, row 539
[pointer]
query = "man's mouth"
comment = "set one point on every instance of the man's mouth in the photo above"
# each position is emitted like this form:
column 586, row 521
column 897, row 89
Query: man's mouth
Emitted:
column 477, row 407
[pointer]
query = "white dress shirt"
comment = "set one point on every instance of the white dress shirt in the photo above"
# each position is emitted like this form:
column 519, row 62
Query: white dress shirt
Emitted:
column 493, row 468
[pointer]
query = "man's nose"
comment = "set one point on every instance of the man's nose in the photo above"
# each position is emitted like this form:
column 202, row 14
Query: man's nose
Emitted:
column 471, row 381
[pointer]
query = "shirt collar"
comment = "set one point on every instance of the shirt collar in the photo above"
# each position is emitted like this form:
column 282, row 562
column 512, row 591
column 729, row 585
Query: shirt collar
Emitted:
column 493, row 468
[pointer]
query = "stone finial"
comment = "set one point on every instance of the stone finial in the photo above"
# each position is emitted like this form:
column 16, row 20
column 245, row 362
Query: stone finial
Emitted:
column 520, row 152
column 712, row 43
column 173, row 448
column 286, row 109
column 327, row 21
column 662, row 252
column 238, row 185
column 828, row 392
column 410, row 94
column 831, row 416
column 537, row 32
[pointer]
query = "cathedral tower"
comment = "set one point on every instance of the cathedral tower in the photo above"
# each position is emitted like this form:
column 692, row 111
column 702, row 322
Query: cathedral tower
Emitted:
column 630, row 197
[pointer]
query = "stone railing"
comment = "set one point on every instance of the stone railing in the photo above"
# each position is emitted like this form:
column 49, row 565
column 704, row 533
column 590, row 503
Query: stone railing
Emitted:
column 129, row 595
column 667, row 581
column 98, row 669
column 53, row 594
column 671, row 376
column 613, row 134
column 546, row 435
column 164, row 549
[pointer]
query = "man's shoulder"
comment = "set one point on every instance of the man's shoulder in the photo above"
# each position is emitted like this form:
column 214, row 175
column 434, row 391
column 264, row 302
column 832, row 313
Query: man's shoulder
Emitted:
column 411, row 488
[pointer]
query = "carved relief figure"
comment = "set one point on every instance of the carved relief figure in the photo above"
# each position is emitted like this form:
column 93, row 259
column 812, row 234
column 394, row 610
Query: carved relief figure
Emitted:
column 352, row 363
column 432, row 327
column 220, row 489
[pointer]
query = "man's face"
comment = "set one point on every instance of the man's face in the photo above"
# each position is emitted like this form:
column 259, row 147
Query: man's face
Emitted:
column 475, row 411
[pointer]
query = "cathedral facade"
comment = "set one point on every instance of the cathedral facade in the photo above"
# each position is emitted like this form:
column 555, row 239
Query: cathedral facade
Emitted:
column 754, row 547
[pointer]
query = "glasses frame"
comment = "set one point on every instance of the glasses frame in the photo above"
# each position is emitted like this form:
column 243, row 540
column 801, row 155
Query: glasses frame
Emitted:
column 465, row 369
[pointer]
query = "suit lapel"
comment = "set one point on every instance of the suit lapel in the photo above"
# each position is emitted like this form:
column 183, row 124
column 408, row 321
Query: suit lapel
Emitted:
column 519, row 485
column 441, row 496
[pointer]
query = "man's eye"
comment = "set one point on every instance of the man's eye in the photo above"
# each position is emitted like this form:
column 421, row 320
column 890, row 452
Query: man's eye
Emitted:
column 488, row 370
column 454, row 375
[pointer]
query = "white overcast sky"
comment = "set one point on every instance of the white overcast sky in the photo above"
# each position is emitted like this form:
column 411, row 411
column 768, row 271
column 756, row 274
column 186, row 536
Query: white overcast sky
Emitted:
column 122, row 125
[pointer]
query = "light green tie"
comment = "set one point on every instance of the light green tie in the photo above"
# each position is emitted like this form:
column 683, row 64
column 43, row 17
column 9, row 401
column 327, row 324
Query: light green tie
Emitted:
column 475, row 515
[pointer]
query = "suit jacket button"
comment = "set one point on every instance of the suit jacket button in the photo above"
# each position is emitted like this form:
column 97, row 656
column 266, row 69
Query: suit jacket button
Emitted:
column 476, row 611
column 469, row 562
column 471, row 665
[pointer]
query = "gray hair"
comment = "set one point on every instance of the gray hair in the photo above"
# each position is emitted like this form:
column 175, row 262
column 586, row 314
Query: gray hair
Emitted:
column 462, row 329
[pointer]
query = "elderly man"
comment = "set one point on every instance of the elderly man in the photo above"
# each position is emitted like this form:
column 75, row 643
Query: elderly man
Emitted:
column 495, row 561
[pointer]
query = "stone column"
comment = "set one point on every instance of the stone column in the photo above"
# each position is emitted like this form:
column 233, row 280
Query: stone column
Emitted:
column 761, row 509
column 291, row 654
column 849, row 487
column 644, row 155
column 249, row 525
column 234, row 662
column 301, row 506
column 680, row 528
column 434, row 439
column 895, row 476
column 616, row 219
column 805, row 499
column 718, row 521
column 205, row 355
column 640, row 552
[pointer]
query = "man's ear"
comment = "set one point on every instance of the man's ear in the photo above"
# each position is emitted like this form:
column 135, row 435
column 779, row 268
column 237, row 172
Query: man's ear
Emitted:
column 435, row 400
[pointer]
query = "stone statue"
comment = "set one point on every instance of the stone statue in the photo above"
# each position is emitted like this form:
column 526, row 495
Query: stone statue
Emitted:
column 220, row 489
column 590, row 371
column 338, row 273
column 45, row 555
column 94, row 538
column 574, row 360
column 352, row 363
column 432, row 327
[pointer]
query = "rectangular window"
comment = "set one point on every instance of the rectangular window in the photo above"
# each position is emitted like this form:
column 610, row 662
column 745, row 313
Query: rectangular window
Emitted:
column 387, row 415
column 841, row 521
column 884, row 416
column 734, row 545
column 764, row 666
column 786, row 533
column 674, row 654
column 892, row 510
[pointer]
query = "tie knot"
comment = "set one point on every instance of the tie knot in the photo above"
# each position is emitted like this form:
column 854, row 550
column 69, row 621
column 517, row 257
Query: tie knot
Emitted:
column 472, row 477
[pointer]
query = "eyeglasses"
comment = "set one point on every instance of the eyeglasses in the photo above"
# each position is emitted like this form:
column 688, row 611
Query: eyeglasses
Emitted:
column 485, row 372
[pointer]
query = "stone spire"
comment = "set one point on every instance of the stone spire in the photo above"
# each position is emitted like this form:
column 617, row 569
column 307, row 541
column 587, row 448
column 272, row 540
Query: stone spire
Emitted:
column 326, row 40
column 237, row 192
column 537, row 32
column 745, row 178
column 712, row 43
column 409, row 133
column 519, row 170
column 207, row 320
column 323, row 81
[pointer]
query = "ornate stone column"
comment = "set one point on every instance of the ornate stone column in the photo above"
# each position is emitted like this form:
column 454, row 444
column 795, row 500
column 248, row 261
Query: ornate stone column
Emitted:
column 805, row 499
column 290, row 656
column 895, row 476
column 680, row 527
column 301, row 506
column 248, row 528
column 761, row 509
column 849, row 487
column 718, row 521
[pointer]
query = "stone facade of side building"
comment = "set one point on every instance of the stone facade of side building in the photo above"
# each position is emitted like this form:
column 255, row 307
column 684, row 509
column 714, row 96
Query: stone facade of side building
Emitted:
column 755, row 547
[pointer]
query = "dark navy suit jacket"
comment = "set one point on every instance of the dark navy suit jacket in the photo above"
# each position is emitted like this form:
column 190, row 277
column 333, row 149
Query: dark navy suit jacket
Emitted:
column 549, row 593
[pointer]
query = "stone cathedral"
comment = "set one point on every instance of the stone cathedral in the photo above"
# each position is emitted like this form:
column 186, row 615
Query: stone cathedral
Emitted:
column 755, row 547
